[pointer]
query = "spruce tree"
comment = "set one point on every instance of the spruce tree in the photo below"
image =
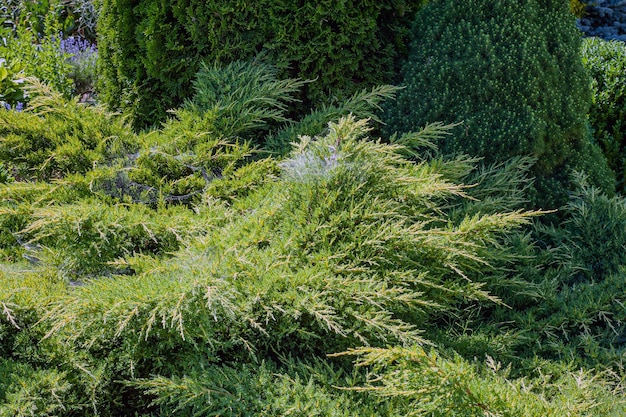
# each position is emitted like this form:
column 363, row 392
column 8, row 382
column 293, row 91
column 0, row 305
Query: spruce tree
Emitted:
column 511, row 72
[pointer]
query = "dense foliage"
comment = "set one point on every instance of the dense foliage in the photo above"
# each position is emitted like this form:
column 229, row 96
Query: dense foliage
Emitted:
column 606, row 63
column 27, row 54
column 510, row 73
column 75, row 17
column 151, row 50
column 237, row 260
column 604, row 19
column 118, row 300
column 32, row 44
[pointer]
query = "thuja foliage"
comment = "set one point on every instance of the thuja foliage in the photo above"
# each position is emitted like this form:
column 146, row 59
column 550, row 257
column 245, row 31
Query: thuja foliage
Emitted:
column 606, row 61
column 151, row 51
column 511, row 73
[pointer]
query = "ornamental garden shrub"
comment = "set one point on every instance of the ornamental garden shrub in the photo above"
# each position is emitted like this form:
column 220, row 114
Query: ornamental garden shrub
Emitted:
column 606, row 62
column 238, row 113
column 604, row 19
column 510, row 73
column 196, row 269
column 349, row 247
column 351, row 251
column 59, row 137
column 150, row 51
column 229, row 304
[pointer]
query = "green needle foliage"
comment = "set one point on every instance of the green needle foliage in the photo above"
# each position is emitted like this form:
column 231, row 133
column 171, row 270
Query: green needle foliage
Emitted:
column 606, row 62
column 150, row 51
column 510, row 74
column 432, row 385
column 181, row 274
column 249, row 94
column 58, row 137
column 352, row 245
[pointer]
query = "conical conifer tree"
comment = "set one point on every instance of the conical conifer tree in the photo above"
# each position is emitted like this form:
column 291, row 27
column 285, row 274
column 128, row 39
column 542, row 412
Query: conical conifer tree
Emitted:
column 511, row 72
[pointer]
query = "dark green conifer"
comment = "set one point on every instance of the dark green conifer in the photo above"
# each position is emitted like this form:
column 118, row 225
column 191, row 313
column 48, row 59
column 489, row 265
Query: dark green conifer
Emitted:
column 511, row 72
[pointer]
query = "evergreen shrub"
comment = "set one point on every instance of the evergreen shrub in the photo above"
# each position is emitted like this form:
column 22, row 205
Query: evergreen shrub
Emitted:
column 511, row 73
column 595, row 229
column 571, row 306
column 577, row 7
column 57, row 137
column 150, row 51
column 350, row 246
column 238, row 112
column 606, row 63
column 354, row 248
column 604, row 19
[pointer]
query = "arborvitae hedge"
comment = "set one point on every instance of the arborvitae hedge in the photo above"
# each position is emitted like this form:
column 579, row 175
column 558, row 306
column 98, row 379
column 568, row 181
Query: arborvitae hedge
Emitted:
column 150, row 50
column 512, row 73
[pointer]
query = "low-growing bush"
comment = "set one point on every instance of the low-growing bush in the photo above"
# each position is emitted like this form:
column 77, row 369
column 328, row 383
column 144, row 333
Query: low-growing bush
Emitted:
column 354, row 276
column 85, row 238
column 57, row 137
column 352, row 245
column 239, row 112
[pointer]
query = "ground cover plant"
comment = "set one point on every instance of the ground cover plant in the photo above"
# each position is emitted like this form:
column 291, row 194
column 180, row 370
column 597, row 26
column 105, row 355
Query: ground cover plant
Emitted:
column 236, row 260
column 349, row 246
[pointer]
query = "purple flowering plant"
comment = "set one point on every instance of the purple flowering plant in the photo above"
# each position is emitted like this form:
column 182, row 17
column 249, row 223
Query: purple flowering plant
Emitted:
column 82, row 56
column 19, row 106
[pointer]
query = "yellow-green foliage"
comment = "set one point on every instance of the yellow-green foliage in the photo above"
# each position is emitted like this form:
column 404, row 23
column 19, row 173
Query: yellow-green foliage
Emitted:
column 59, row 137
column 351, row 247
column 430, row 384
column 577, row 7
column 355, row 276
